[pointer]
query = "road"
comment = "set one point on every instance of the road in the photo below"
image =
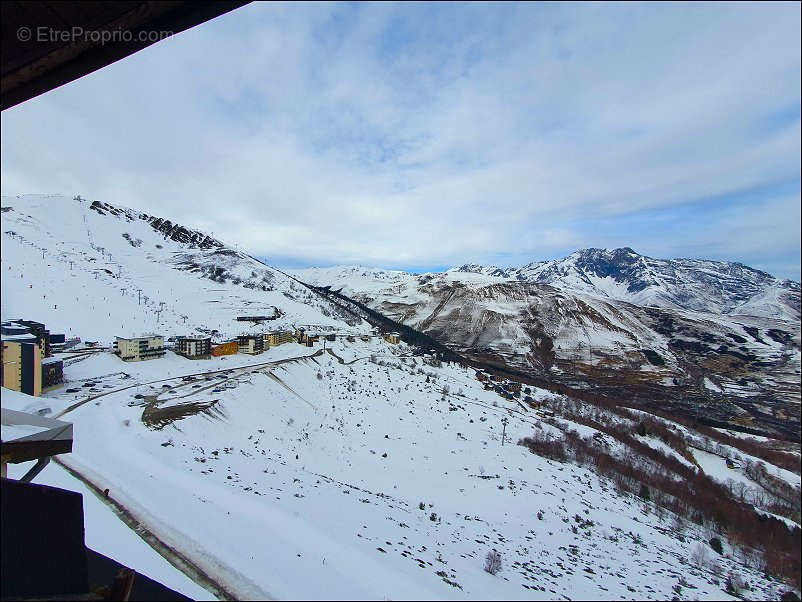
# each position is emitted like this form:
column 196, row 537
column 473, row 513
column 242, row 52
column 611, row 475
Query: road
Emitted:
column 216, row 581
column 207, row 373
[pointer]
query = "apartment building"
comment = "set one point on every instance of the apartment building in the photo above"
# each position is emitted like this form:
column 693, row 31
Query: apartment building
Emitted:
column 251, row 344
column 137, row 349
column 392, row 338
column 276, row 337
column 26, row 365
column 194, row 348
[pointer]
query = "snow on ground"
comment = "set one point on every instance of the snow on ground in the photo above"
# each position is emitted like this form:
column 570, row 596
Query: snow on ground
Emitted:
column 349, row 473
column 717, row 464
column 716, row 467
column 741, row 435
column 98, row 276
column 304, row 479
column 107, row 534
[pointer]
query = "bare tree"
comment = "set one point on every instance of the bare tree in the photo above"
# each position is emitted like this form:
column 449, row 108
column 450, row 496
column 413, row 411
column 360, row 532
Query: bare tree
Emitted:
column 493, row 562
column 700, row 556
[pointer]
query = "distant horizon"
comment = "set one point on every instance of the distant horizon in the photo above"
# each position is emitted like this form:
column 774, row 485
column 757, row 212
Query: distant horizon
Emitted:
column 420, row 135
column 284, row 264
column 294, row 263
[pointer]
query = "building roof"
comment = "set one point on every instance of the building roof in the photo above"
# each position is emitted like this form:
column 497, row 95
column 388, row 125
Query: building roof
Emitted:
column 20, row 338
column 9, row 328
column 33, row 66
column 144, row 336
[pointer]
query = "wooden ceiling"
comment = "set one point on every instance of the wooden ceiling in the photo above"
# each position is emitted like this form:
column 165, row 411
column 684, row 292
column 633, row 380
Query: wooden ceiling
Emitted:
column 48, row 44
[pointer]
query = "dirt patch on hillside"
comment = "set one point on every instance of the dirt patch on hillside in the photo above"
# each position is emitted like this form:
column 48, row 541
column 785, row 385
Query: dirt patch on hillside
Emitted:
column 157, row 418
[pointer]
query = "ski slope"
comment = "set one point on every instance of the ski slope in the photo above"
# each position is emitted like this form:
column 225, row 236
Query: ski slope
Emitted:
column 97, row 275
column 301, row 486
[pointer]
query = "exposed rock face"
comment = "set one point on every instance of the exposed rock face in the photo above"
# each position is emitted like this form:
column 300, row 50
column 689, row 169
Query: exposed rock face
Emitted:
column 587, row 332
column 693, row 284
column 181, row 234
column 175, row 232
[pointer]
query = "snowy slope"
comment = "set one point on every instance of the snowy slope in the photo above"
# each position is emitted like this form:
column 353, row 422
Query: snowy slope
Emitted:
column 358, row 472
column 565, row 334
column 93, row 270
column 106, row 534
column 305, row 479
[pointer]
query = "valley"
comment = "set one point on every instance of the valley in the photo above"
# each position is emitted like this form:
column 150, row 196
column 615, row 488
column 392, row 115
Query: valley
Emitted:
column 361, row 465
column 736, row 370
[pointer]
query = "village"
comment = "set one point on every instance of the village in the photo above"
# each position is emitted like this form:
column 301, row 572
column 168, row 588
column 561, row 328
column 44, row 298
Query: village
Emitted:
column 33, row 358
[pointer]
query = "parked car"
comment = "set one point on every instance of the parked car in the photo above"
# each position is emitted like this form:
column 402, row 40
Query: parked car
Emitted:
column 73, row 390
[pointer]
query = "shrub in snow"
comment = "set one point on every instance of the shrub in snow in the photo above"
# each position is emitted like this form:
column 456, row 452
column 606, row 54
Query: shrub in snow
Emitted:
column 493, row 562
column 715, row 543
column 699, row 556
column 734, row 583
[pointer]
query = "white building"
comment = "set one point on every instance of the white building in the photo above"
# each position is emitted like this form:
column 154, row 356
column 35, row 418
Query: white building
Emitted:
column 136, row 349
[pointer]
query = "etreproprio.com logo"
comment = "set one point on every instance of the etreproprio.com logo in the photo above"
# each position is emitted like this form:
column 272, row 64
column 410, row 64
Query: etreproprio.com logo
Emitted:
column 96, row 36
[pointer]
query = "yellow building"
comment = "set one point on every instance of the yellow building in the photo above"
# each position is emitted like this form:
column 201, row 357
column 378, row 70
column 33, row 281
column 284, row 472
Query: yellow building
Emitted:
column 277, row 337
column 22, row 367
column 392, row 338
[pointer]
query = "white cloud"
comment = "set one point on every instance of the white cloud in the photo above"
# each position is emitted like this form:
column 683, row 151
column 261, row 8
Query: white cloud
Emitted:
column 434, row 134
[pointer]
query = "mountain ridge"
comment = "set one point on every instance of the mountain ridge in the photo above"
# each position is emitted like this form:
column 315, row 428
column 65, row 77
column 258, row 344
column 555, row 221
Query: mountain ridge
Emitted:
column 78, row 259
column 713, row 286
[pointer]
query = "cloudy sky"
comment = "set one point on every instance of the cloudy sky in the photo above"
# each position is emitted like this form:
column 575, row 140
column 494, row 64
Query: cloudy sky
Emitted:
column 422, row 136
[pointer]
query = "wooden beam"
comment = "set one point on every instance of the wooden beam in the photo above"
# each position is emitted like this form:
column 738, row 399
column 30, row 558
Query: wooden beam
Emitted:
column 31, row 66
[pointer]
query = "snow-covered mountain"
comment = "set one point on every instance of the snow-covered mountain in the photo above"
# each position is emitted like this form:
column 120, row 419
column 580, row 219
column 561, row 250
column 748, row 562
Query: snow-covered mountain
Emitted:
column 95, row 270
column 364, row 471
column 692, row 284
column 593, row 331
